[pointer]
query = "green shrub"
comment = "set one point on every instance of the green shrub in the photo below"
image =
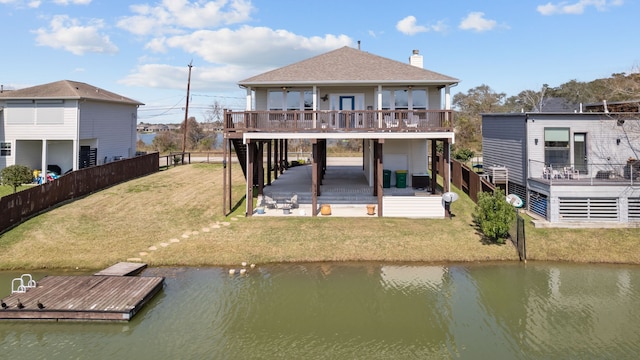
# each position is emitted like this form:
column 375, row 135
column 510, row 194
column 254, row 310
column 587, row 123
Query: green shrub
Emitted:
column 462, row 154
column 16, row 175
column 494, row 215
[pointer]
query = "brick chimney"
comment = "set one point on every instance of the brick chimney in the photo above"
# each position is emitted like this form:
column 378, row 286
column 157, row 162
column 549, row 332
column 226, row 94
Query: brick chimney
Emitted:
column 416, row 59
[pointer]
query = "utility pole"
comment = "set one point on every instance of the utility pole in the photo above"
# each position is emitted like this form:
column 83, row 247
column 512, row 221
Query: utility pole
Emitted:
column 186, row 113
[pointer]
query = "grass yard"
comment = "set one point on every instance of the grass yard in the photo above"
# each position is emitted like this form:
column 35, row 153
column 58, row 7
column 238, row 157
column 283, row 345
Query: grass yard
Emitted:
column 174, row 218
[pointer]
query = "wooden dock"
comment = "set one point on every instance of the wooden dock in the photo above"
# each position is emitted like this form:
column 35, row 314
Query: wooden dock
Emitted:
column 80, row 298
column 122, row 269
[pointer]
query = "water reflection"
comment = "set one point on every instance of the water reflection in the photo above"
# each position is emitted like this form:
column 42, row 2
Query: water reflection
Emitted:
column 368, row 311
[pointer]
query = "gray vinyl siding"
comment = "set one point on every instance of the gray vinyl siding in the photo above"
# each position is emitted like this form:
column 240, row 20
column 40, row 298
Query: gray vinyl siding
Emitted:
column 504, row 144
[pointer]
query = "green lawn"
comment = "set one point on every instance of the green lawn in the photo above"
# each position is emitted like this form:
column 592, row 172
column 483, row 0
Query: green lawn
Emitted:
column 174, row 218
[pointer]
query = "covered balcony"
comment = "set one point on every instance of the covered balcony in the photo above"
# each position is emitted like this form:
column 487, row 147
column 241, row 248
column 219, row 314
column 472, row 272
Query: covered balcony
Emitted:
column 338, row 121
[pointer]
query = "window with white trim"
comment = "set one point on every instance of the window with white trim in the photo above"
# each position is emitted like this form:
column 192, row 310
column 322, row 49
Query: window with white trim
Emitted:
column 556, row 147
column 290, row 100
column 403, row 99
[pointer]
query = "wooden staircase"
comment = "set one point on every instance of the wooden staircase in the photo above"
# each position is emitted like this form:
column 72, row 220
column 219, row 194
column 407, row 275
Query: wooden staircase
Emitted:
column 241, row 153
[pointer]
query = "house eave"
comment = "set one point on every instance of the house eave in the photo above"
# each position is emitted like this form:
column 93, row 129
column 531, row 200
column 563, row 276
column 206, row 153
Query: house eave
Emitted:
column 297, row 83
column 79, row 98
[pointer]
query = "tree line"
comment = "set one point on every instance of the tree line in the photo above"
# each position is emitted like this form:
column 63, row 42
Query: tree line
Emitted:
column 471, row 105
column 200, row 136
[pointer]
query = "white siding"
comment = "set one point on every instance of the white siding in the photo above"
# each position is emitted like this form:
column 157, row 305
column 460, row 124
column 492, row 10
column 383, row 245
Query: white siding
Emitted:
column 41, row 121
column 114, row 127
column 406, row 154
column 413, row 207
column 434, row 96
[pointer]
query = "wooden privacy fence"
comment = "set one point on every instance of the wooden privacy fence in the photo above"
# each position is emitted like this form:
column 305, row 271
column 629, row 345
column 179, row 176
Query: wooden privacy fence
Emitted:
column 471, row 183
column 465, row 179
column 18, row 207
column 518, row 238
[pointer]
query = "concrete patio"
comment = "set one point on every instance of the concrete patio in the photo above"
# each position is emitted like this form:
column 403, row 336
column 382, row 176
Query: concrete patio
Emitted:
column 344, row 188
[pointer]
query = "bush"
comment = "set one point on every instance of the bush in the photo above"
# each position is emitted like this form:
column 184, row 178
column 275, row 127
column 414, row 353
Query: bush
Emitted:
column 462, row 154
column 494, row 215
column 16, row 175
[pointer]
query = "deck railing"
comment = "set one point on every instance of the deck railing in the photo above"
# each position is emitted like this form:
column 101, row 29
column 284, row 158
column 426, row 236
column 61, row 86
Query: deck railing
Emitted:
column 339, row 121
column 586, row 174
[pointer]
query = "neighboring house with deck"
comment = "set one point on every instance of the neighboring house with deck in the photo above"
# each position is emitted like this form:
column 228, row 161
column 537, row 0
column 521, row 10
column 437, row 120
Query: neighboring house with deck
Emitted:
column 569, row 168
column 400, row 112
column 66, row 125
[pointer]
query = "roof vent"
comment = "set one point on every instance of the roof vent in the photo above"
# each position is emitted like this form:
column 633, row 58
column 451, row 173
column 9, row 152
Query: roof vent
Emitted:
column 416, row 59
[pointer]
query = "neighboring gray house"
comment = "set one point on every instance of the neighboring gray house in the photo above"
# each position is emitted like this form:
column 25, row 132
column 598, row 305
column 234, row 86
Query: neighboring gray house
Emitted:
column 568, row 167
column 67, row 125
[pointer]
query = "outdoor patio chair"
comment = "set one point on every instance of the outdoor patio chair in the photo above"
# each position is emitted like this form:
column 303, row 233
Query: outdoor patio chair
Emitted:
column 571, row 173
column 389, row 122
column 270, row 203
column 413, row 121
column 294, row 201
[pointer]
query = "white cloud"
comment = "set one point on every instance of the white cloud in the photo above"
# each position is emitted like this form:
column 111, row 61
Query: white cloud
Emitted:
column 68, row 34
column 440, row 26
column 73, row 2
column 256, row 46
column 203, row 78
column 475, row 21
column 577, row 8
column 21, row 3
column 408, row 26
column 172, row 16
column 241, row 54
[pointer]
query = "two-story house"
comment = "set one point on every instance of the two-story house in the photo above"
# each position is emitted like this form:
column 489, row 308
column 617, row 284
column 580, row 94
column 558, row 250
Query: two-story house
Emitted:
column 65, row 125
column 400, row 111
column 577, row 168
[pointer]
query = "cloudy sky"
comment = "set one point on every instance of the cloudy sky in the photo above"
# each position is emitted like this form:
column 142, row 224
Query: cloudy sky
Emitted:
column 141, row 49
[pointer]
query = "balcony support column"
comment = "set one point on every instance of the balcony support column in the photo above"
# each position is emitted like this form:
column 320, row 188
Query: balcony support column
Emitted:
column 379, row 107
column 249, row 195
column 434, row 167
column 314, row 177
column 446, row 173
column 315, row 106
column 269, row 161
column 249, row 99
column 379, row 185
column 276, row 164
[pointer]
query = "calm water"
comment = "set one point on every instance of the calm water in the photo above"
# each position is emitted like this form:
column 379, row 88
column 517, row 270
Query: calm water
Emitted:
column 147, row 138
column 361, row 311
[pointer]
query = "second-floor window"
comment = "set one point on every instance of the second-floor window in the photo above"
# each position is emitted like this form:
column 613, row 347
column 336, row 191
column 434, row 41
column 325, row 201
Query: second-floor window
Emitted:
column 290, row 100
column 404, row 99
column 556, row 147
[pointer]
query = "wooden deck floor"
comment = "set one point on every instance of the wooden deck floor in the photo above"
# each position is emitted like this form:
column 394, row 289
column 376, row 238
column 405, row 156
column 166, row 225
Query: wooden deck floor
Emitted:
column 123, row 269
column 79, row 298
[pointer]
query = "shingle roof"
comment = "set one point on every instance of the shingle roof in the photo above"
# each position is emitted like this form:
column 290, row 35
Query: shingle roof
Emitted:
column 348, row 65
column 67, row 89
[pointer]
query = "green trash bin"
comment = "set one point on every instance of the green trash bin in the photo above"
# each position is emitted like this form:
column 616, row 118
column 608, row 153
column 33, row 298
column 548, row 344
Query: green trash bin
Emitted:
column 401, row 178
column 386, row 178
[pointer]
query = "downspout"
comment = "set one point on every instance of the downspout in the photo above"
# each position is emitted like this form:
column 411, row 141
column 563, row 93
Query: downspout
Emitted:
column 76, row 141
